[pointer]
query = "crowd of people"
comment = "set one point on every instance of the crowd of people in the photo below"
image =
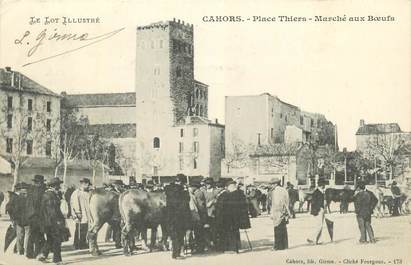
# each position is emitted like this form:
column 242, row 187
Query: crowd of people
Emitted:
column 202, row 216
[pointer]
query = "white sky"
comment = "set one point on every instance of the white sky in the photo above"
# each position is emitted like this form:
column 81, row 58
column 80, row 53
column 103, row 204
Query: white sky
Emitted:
column 346, row 71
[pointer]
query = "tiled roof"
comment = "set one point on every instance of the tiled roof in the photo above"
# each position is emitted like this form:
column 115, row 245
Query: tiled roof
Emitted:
column 106, row 99
column 199, row 83
column 125, row 130
column 26, row 84
column 378, row 128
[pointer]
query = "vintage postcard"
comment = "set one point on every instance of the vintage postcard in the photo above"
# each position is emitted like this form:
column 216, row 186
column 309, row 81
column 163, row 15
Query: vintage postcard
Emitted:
column 205, row 132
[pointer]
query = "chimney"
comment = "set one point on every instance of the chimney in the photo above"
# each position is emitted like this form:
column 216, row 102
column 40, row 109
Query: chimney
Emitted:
column 63, row 94
column 362, row 123
column 8, row 68
column 216, row 121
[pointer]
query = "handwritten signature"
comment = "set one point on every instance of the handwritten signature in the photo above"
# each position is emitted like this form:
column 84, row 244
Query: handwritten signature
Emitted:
column 45, row 36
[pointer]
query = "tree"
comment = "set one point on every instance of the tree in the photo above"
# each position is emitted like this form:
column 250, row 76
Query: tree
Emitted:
column 390, row 149
column 73, row 135
column 96, row 152
column 237, row 155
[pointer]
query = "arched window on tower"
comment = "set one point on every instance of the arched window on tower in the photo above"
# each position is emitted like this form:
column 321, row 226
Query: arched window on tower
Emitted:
column 156, row 142
column 201, row 110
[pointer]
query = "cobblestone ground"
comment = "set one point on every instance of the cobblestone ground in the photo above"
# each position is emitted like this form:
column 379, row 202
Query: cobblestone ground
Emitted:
column 393, row 246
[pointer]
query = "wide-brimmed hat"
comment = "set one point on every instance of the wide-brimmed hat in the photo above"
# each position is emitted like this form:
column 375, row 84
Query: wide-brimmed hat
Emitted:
column 209, row 181
column 220, row 184
column 181, row 178
column 275, row 180
column 194, row 184
column 54, row 182
column 85, row 180
column 116, row 182
column 38, row 178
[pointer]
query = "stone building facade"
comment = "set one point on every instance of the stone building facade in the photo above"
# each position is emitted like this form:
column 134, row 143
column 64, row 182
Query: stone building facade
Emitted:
column 111, row 116
column 29, row 123
column 166, row 94
column 266, row 120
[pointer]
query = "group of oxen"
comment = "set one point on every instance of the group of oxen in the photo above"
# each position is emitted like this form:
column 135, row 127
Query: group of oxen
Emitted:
column 129, row 213
column 300, row 197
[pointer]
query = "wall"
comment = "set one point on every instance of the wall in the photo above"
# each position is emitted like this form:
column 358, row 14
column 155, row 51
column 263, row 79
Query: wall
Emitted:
column 109, row 114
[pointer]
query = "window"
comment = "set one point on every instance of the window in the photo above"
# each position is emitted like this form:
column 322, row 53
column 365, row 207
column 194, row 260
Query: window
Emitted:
column 196, row 147
column 195, row 163
column 181, row 163
column 178, row 71
column 272, row 132
column 301, row 120
column 197, row 109
column 197, row 93
column 181, row 132
column 155, row 171
column 272, row 112
column 48, row 148
column 312, row 122
column 9, row 103
column 286, row 118
column 29, row 146
column 180, row 147
column 30, row 104
column 195, row 132
column 9, row 145
column 201, row 110
column 29, row 124
column 9, row 121
column 48, row 106
column 156, row 142
column 48, row 125
column 281, row 115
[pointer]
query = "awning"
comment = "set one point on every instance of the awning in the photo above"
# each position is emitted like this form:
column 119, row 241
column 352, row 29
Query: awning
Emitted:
column 5, row 166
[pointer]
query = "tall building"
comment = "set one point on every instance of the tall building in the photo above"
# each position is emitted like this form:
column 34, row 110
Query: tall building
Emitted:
column 29, row 126
column 166, row 94
column 265, row 120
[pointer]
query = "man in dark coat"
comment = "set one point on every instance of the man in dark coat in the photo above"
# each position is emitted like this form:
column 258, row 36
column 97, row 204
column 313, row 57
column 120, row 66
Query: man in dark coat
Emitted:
column 233, row 217
column 396, row 193
column 178, row 213
column 317, row 211
column 364, row 205
column 36, row 237
column 53, row 221
column 20, row 218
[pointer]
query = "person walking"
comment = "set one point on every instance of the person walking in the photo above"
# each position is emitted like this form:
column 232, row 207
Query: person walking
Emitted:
column 53, row 221
column 364, row 203
column 79, row 202
column 280, row 214
column 178, row 213
column 317, row 211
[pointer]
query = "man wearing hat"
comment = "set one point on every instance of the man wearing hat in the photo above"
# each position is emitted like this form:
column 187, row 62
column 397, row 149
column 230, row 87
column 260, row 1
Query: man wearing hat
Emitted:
column 20, row 218
column 178, row 213
column 233, row 216
column 198, row 217
column 80, row 209
column 210, row 194
column 364, row 204
column 36, row 237
column 396, row 194
column 280, row 213
column 317, row 211
column 53, row 221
